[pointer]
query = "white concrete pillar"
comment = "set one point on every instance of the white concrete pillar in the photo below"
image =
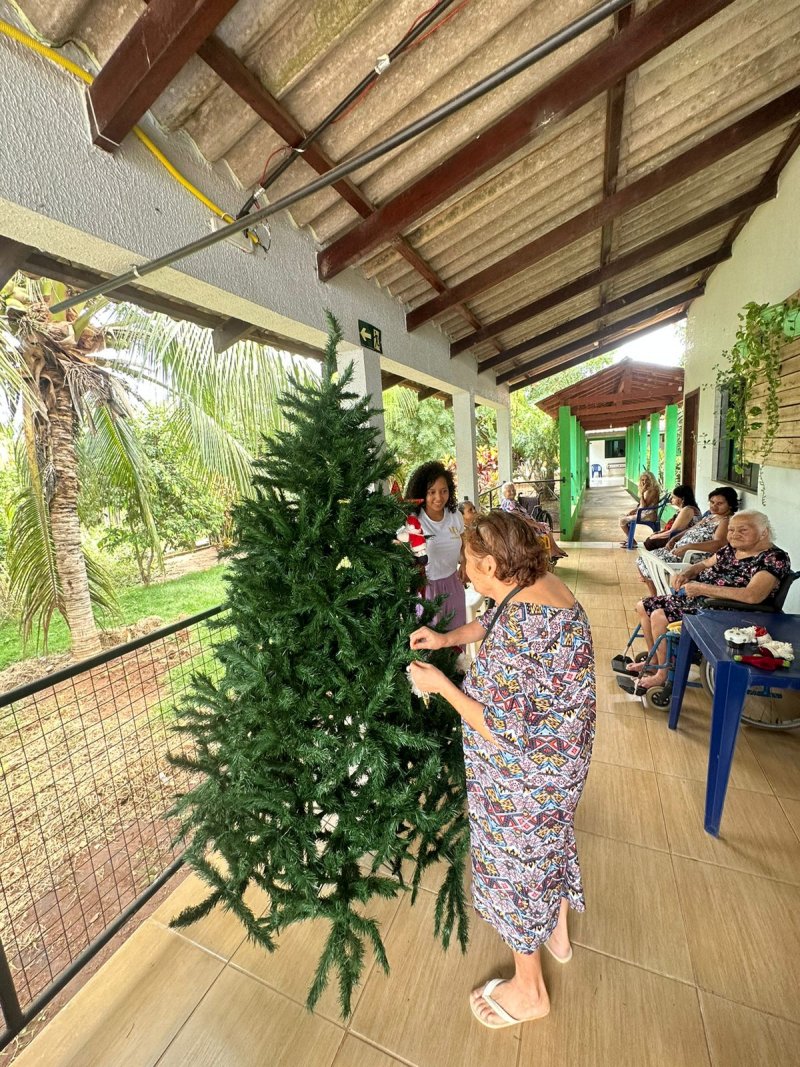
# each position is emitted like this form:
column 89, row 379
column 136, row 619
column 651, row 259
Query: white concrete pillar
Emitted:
column 366, row 381
column 466, row 439
column 505, row 460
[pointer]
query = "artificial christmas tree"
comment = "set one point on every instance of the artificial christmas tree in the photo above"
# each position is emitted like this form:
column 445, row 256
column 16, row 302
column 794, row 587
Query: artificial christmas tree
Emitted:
column 323, row 779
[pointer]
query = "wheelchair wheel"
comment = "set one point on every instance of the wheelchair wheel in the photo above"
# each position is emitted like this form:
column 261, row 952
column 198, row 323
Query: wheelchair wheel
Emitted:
column 640, row 657
column 659, row 697
column 764, row 708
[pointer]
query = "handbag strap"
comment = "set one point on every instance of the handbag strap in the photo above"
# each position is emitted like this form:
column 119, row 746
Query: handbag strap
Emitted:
column 503, row 602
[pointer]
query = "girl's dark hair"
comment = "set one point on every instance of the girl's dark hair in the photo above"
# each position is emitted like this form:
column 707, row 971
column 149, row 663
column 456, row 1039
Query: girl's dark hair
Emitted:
column 728, row 494
column 423, row 478
column 521, row 553
column 686, row 493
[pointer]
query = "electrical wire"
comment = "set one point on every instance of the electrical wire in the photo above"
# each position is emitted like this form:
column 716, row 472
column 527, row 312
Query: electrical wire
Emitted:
column 517, row 66
column 354, row 97
column 85, row 76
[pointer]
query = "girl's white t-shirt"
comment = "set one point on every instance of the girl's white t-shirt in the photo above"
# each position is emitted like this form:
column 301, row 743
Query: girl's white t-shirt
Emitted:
column 442, row 543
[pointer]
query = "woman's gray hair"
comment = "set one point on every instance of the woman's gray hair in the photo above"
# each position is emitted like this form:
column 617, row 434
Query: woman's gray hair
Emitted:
column 508, row 485
column 757, row 519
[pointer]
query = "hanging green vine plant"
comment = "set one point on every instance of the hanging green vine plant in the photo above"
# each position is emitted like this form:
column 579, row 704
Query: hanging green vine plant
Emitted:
column 753, row 361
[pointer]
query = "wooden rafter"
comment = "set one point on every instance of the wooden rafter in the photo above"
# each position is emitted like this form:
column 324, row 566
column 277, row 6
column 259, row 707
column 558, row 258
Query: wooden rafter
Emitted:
column 618, row 304
column 615, row 329
column 228, row 66
column 615, row 114
column 546, row 370
column 593, row 73
column 161, row 41
column 668, row 241
column 667, row 176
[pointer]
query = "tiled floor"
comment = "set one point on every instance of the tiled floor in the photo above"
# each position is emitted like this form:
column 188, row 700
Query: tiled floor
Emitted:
column 687, row 954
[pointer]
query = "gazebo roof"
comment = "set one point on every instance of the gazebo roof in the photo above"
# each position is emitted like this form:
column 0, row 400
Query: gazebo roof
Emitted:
column 620, row 395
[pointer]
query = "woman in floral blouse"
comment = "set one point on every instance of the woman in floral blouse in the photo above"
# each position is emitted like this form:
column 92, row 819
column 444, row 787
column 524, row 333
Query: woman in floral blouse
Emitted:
column 748, row 570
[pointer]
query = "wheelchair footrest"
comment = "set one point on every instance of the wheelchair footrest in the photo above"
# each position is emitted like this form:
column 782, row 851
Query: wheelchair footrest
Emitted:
column 620, row 664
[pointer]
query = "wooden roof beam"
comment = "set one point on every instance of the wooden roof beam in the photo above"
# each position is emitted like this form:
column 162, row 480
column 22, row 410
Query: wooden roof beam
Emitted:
column 594, row 73
column 548, row 370
column 615, row 113
column 667, row 176
column 709, row 221
column 614, row 329
column 618, row 304
column 227, row 65
column 158, row 45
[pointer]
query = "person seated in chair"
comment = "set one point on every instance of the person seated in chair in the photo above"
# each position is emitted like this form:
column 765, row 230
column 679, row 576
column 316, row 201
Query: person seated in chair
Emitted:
column 511, row 504
column 747, row 570
column 686, row 515
column 649, row 495
column 707, row 534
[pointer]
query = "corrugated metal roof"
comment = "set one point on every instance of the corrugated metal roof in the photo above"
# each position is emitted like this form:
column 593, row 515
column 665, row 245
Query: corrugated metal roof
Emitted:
column 309, row 54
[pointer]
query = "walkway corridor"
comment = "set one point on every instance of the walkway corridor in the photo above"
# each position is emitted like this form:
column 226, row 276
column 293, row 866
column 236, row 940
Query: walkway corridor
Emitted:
column 599, row 516
column 686, row 956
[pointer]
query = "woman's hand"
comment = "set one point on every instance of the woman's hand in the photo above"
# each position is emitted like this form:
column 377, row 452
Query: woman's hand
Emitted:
column 679, row 581
column 680, row 550
column 424, row 637
column 428, row 679
column 692, row 588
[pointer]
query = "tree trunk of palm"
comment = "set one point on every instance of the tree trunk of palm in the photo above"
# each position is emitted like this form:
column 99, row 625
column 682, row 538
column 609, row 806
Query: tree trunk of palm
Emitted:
column 65, row 525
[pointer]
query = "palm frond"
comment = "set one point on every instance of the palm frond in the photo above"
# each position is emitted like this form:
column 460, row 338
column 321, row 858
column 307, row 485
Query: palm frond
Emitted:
column 113, row 453
column 33, row 580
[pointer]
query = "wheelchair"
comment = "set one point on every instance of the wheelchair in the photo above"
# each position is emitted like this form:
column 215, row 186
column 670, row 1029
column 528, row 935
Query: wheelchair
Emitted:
column 765, row 708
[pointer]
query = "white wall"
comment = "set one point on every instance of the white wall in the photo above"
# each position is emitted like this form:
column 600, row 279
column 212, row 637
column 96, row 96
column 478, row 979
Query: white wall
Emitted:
column 597, row 454
column 765, row 267
column 62, row 195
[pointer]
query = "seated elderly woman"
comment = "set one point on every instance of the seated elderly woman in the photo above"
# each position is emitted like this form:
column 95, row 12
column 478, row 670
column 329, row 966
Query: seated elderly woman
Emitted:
column 708, row 534
column 649, row 494
column 748, row 570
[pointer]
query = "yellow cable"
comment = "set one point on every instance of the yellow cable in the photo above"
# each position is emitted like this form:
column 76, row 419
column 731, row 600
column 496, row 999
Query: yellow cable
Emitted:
column 50, row 53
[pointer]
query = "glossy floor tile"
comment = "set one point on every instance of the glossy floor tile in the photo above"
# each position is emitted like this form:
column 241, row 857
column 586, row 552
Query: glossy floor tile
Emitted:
column 743, row 932
column 632, row 908
column 604, row 1013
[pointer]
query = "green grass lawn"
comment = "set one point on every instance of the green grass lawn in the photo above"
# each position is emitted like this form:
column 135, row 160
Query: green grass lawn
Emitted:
column 188, row 595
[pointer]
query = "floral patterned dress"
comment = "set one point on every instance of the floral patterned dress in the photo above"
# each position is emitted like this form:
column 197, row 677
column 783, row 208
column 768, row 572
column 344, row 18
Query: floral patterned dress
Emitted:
column 727, row 571
column 534, row 674
column 703, row 530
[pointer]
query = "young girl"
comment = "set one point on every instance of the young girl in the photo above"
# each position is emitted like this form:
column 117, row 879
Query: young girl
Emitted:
column 432, row 487
column 468, row 511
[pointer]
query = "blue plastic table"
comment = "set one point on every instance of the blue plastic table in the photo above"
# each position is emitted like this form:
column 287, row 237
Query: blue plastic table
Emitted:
column 732, row 680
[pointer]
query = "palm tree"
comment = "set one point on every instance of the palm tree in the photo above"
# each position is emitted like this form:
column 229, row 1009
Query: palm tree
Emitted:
column 77, row 377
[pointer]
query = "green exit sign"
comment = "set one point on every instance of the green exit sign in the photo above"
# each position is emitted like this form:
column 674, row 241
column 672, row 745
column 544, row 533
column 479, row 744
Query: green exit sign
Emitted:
column 370, row 336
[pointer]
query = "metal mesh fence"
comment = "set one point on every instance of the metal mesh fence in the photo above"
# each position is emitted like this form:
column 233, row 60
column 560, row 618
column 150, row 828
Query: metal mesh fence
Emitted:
column 85, row 785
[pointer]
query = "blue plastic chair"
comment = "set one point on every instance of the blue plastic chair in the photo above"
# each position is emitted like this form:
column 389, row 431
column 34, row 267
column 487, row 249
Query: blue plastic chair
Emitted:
column 597, row 470
column 654, row 524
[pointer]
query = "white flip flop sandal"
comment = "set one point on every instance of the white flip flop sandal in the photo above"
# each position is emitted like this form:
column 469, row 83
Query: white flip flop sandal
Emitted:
column 508, row 1020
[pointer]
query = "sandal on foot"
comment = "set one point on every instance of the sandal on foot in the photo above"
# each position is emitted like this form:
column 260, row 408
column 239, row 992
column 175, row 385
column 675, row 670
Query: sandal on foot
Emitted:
column 557, row 958
column 500, row 1012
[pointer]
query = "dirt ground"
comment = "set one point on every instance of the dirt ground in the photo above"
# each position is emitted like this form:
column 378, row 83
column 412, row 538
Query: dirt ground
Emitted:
column 87, row 780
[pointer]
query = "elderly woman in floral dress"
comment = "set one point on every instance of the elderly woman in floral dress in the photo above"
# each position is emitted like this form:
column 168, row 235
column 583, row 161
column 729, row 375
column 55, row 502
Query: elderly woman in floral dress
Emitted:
column 528, row 705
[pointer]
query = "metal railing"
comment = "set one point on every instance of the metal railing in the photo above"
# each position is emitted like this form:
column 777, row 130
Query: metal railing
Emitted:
column 86, row 785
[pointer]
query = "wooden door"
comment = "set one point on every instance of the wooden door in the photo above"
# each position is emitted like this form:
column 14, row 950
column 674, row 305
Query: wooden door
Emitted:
column 691, row 405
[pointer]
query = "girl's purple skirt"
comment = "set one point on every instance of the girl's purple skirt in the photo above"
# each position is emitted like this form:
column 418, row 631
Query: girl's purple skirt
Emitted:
column 456, row 602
